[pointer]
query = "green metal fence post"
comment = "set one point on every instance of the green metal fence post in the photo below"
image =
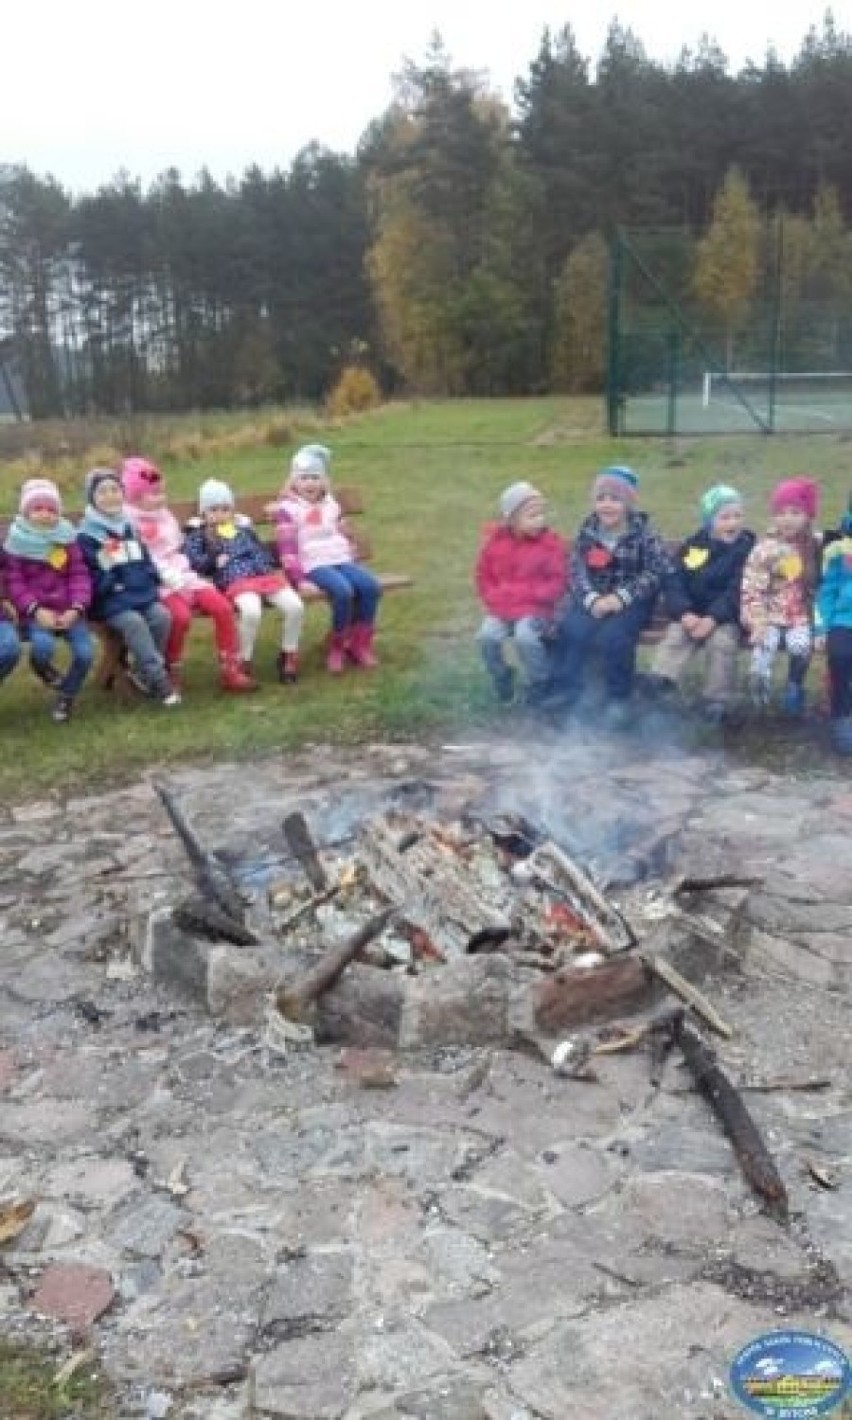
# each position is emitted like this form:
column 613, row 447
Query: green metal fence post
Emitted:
column 673, row 344
column 777, row 276
column 614, row 393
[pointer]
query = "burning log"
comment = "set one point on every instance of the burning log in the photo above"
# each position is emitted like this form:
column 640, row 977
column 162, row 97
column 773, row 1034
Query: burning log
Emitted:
column 440, row 897
column 295, row 1001
column 561, row 875
column 727, row 1104
column 304, row 850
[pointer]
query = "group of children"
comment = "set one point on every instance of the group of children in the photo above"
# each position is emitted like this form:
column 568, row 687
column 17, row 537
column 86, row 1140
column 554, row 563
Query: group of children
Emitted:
column 130, row 567
column 788, row 591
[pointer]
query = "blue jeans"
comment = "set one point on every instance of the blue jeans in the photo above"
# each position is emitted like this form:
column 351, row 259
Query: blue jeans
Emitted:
column 80, row 644
column 613, row 638
column 525, row 634
column 145, row 633
column 352, row 590
column 10, row 648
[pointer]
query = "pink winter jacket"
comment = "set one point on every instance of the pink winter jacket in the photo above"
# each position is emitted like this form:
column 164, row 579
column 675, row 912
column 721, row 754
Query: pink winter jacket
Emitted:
column 310, row 535
column 161, row 533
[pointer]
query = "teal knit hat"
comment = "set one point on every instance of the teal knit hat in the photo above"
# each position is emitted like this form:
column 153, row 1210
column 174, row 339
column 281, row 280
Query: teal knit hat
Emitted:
column 717, row 497
column 619, row 482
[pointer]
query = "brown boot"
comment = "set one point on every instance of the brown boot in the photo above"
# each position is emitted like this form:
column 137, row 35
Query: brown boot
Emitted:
column 233, row 678
column 288, row 667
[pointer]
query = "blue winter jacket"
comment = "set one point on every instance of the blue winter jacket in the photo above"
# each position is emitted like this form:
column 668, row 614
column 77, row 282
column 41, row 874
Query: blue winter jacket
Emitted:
column 834, row 594
column 124, row 577
column 245, row 555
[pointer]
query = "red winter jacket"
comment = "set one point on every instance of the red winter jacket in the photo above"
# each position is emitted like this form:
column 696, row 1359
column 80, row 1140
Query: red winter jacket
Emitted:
column 521, row 576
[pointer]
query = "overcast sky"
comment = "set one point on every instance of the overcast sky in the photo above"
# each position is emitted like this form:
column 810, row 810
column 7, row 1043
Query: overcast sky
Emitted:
column 92, row 86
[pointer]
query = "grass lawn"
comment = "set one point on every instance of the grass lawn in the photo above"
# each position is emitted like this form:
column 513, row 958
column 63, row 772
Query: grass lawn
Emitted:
column 431, row 474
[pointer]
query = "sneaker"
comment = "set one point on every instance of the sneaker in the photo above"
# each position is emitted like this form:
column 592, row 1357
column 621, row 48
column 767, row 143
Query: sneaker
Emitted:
column 793, row 700
column 61, row 712
column 170, row 698
column 504, row 686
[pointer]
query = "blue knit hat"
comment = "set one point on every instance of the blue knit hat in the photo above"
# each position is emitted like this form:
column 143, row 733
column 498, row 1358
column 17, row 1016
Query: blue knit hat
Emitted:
column 721, row 495
column 619, row 482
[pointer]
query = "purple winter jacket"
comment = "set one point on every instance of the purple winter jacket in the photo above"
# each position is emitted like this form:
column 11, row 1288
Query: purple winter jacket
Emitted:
column 5, row 605
column 31, row 584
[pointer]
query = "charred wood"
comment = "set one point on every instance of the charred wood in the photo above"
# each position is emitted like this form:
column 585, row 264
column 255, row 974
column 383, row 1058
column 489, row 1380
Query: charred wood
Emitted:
column 301, row 844
column 212, row 879
column 296, row 999
column 727, row 1104
column 202, row 918
column 571, row 997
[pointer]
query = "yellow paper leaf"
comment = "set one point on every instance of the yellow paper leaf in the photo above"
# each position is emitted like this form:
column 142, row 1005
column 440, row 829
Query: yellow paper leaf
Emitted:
column 790, row 566
column 14, row 1218
column 58, row 558
column 695, row 558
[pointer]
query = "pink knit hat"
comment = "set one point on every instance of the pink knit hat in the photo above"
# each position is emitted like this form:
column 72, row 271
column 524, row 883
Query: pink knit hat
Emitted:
column 40, row 491
column 801, row 493
column 139, row 478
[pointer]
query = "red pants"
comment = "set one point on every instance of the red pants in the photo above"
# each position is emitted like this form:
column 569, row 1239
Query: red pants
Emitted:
column 209, row 602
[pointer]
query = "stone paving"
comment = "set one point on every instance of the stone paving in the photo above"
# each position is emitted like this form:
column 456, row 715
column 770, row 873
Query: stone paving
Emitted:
column 442, row 1234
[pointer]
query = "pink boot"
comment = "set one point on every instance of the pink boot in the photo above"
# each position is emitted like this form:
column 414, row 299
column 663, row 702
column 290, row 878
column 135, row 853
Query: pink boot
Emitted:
column 335, row 660
column 360, row 648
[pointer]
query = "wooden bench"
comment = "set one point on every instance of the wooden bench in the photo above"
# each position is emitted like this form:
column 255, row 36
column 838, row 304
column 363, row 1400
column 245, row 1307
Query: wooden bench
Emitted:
column 111, row 672
column 660, row 620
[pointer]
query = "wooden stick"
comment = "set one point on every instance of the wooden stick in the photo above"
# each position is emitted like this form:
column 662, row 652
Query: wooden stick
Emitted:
column 294, row 1001
column 212, row 879
column 687, row 992
column 787, row 1083
column 728, row 1106
column 304, row 908
column 301, row 844
column 720, row 880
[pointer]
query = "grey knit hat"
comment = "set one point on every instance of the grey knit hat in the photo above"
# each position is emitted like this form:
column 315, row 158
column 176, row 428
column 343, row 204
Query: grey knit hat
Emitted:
column 514, row 497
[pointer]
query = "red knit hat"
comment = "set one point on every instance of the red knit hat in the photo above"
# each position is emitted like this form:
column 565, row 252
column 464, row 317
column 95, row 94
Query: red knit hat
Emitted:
column 801, row 493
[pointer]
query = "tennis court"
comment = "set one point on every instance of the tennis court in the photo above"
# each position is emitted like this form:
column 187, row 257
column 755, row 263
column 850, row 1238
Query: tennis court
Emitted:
column 817, row 405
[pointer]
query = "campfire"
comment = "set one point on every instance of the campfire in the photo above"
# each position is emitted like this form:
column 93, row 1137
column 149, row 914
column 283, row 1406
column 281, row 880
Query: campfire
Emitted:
column 473, row 929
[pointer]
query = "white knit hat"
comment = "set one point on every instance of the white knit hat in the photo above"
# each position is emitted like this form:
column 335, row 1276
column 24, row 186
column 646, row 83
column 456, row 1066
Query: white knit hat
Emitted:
column 311, row 458
column 514, row 497
column 213, row 493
